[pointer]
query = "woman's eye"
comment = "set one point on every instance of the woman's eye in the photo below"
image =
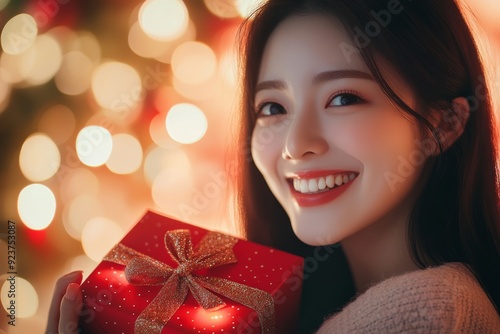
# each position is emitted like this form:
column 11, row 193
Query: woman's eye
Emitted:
column 345, row 99
column 271, row 109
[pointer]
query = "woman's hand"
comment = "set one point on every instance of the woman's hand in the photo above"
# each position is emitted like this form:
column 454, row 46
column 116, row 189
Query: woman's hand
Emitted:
column 66, row 305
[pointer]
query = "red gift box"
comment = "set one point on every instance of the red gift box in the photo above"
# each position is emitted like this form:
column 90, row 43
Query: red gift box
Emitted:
column 166, row 276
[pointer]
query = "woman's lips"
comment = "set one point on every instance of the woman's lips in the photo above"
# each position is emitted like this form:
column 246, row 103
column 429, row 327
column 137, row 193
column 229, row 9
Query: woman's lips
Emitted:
column 314, row 188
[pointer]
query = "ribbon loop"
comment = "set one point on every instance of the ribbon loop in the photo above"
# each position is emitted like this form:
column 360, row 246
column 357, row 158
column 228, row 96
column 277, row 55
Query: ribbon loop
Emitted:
column 179, row 246
column 147, row 271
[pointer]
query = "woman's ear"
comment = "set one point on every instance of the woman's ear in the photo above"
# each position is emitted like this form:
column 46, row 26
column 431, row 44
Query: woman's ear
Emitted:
column 451, row 124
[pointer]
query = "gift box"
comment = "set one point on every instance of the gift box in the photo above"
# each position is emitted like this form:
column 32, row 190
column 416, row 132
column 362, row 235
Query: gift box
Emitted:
column 166, row 276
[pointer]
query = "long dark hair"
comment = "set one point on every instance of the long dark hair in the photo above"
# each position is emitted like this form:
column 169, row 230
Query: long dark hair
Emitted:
column 429, row 43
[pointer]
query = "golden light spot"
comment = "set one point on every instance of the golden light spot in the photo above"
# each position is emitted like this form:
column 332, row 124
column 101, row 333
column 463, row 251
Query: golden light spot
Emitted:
column 36, row 206
column 39, row 158
column 186, row 123
column 94, row 145
column 222, row 8
column 48, row 58
column 75, row 73
column 117, row 85
column 194, row 62
column 100, row 235
column 126, row 155
column 164, row 20
column 247, row 7
column 18, row 34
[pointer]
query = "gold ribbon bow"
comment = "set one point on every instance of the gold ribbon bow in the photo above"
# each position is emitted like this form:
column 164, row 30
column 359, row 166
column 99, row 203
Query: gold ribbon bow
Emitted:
column 215, row 249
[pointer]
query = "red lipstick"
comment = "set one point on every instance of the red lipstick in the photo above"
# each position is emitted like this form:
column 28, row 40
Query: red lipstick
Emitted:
column 319, row 198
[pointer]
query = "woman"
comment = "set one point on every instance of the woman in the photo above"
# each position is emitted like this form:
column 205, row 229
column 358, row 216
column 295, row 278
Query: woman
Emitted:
column 369, row 125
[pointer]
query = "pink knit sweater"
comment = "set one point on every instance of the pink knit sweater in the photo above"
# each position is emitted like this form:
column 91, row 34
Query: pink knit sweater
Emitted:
column 444, row 299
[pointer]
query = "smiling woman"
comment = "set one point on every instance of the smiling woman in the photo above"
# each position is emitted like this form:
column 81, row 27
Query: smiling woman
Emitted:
column 363, row 143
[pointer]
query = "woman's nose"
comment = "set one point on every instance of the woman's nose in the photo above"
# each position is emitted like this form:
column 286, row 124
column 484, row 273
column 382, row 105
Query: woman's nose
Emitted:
column 305, row 137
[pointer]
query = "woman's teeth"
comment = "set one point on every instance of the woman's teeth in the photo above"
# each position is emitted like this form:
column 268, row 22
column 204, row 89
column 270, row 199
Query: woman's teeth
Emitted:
column 320, row 184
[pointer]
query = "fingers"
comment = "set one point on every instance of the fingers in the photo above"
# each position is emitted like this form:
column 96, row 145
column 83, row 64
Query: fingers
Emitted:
column 60, row 291
column 71, row 306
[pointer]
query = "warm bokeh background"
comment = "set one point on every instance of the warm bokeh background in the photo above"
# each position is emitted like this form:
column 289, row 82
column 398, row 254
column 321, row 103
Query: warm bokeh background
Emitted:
column 85, row 141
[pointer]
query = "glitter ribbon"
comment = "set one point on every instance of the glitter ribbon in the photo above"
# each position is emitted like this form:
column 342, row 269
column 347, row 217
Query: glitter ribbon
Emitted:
column 215, row 249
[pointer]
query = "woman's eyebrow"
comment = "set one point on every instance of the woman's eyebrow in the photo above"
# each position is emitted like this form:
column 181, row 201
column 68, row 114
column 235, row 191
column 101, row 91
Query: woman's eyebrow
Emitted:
column 319, row 78
column 341, row 74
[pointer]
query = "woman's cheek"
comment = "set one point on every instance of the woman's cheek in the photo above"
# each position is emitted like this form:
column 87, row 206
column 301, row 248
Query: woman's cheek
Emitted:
column 266, row 147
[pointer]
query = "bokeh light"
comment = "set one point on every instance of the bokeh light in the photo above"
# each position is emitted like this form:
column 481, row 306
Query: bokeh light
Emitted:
column 81, row 262
column 126, row 155
column 99, row 236
column 196, row 92
column 194, row 62
column 48, row 58
column 39, row 158
column 247, row 7
column 159, row 159
column 74, row 75
column 4, row 3
column 36, row 206
column 77, row 182
column 79, row 211
column 94, row 145
column 18, row 34
column 172, row 191
column 16, row 68
column 116, row 85
column 26, row 297
column 164, row 20
column 158, row 132
column 58, row 122
column 87, row 43
column 186, row 123
column 5, row 91
column 222, row 8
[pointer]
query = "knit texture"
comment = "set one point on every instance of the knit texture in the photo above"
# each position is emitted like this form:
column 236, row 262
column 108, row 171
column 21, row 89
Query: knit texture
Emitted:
column 444, row 299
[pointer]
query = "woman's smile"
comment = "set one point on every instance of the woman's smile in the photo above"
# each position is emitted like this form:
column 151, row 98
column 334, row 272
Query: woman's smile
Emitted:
column 311, row 188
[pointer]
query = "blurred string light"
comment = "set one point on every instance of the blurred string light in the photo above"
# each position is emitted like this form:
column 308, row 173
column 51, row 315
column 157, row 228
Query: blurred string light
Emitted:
column 143, row 45
column 94, row 145
column 126, row 155
column 74, row 76
column 159, row 159
column 194, row 62
column 26, row 298
column 158, row 132
column 39, row 158
column 186, row 123
column 5, row 90
column 172, row 189
column 117, row 85
column 77, row 182
column 164, row 20
column 197, row 92
column 18, row 34
column 79, row 211
column 247, row 7
column 16, row 68
column 222, row 8
column 36, row 206
column 58, row 122
column 98, row 237
column 47, row 60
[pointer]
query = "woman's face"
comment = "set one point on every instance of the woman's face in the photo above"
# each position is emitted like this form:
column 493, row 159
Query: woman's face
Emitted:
column 335, row 151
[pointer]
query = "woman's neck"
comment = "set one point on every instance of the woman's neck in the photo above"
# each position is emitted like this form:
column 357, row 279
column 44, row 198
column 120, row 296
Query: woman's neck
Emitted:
column 379, row 251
